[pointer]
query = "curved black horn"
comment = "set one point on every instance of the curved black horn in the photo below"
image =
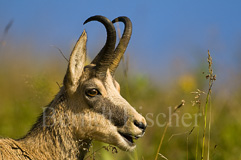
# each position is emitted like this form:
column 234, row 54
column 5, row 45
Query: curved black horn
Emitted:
column 105, row 56
column 121, row 48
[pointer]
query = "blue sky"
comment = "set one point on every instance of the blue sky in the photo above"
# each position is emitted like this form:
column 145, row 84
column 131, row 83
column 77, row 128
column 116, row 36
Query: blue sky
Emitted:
column 165, row 32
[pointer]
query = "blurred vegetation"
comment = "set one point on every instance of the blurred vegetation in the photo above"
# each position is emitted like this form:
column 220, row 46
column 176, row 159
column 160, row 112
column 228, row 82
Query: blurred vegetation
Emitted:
column 27, row 84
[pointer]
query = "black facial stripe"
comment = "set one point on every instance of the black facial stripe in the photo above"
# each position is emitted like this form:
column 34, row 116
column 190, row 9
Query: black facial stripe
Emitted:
column 117, row 115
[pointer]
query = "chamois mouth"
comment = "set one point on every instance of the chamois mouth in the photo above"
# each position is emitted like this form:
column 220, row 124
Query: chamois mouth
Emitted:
column 129, row 138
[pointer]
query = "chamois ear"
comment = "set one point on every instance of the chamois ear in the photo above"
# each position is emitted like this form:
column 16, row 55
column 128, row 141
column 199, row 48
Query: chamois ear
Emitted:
column 76, row 65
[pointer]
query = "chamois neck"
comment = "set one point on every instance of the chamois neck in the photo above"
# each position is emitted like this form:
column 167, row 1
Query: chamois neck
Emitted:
column 53, row 134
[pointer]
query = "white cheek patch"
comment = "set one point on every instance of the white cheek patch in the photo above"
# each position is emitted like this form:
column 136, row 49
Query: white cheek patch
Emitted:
column 95, row 126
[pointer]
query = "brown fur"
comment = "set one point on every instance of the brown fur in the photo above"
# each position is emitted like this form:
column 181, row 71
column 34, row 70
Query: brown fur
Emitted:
column 53, row 141
column 73, row 119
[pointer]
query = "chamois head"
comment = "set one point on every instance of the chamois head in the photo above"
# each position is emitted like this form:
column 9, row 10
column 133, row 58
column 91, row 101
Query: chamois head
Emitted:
column 100, row 112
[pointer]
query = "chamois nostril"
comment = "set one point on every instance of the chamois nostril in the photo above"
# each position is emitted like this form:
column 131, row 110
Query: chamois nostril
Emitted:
column 140, row 125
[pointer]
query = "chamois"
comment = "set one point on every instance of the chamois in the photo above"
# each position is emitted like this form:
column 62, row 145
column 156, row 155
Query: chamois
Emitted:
column 88, row 106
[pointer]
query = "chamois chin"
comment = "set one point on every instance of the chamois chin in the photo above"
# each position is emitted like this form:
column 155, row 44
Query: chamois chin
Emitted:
column 88, row 106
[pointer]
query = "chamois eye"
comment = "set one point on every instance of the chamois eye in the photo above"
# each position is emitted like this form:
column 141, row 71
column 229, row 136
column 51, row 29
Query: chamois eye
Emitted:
column 92, row 92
